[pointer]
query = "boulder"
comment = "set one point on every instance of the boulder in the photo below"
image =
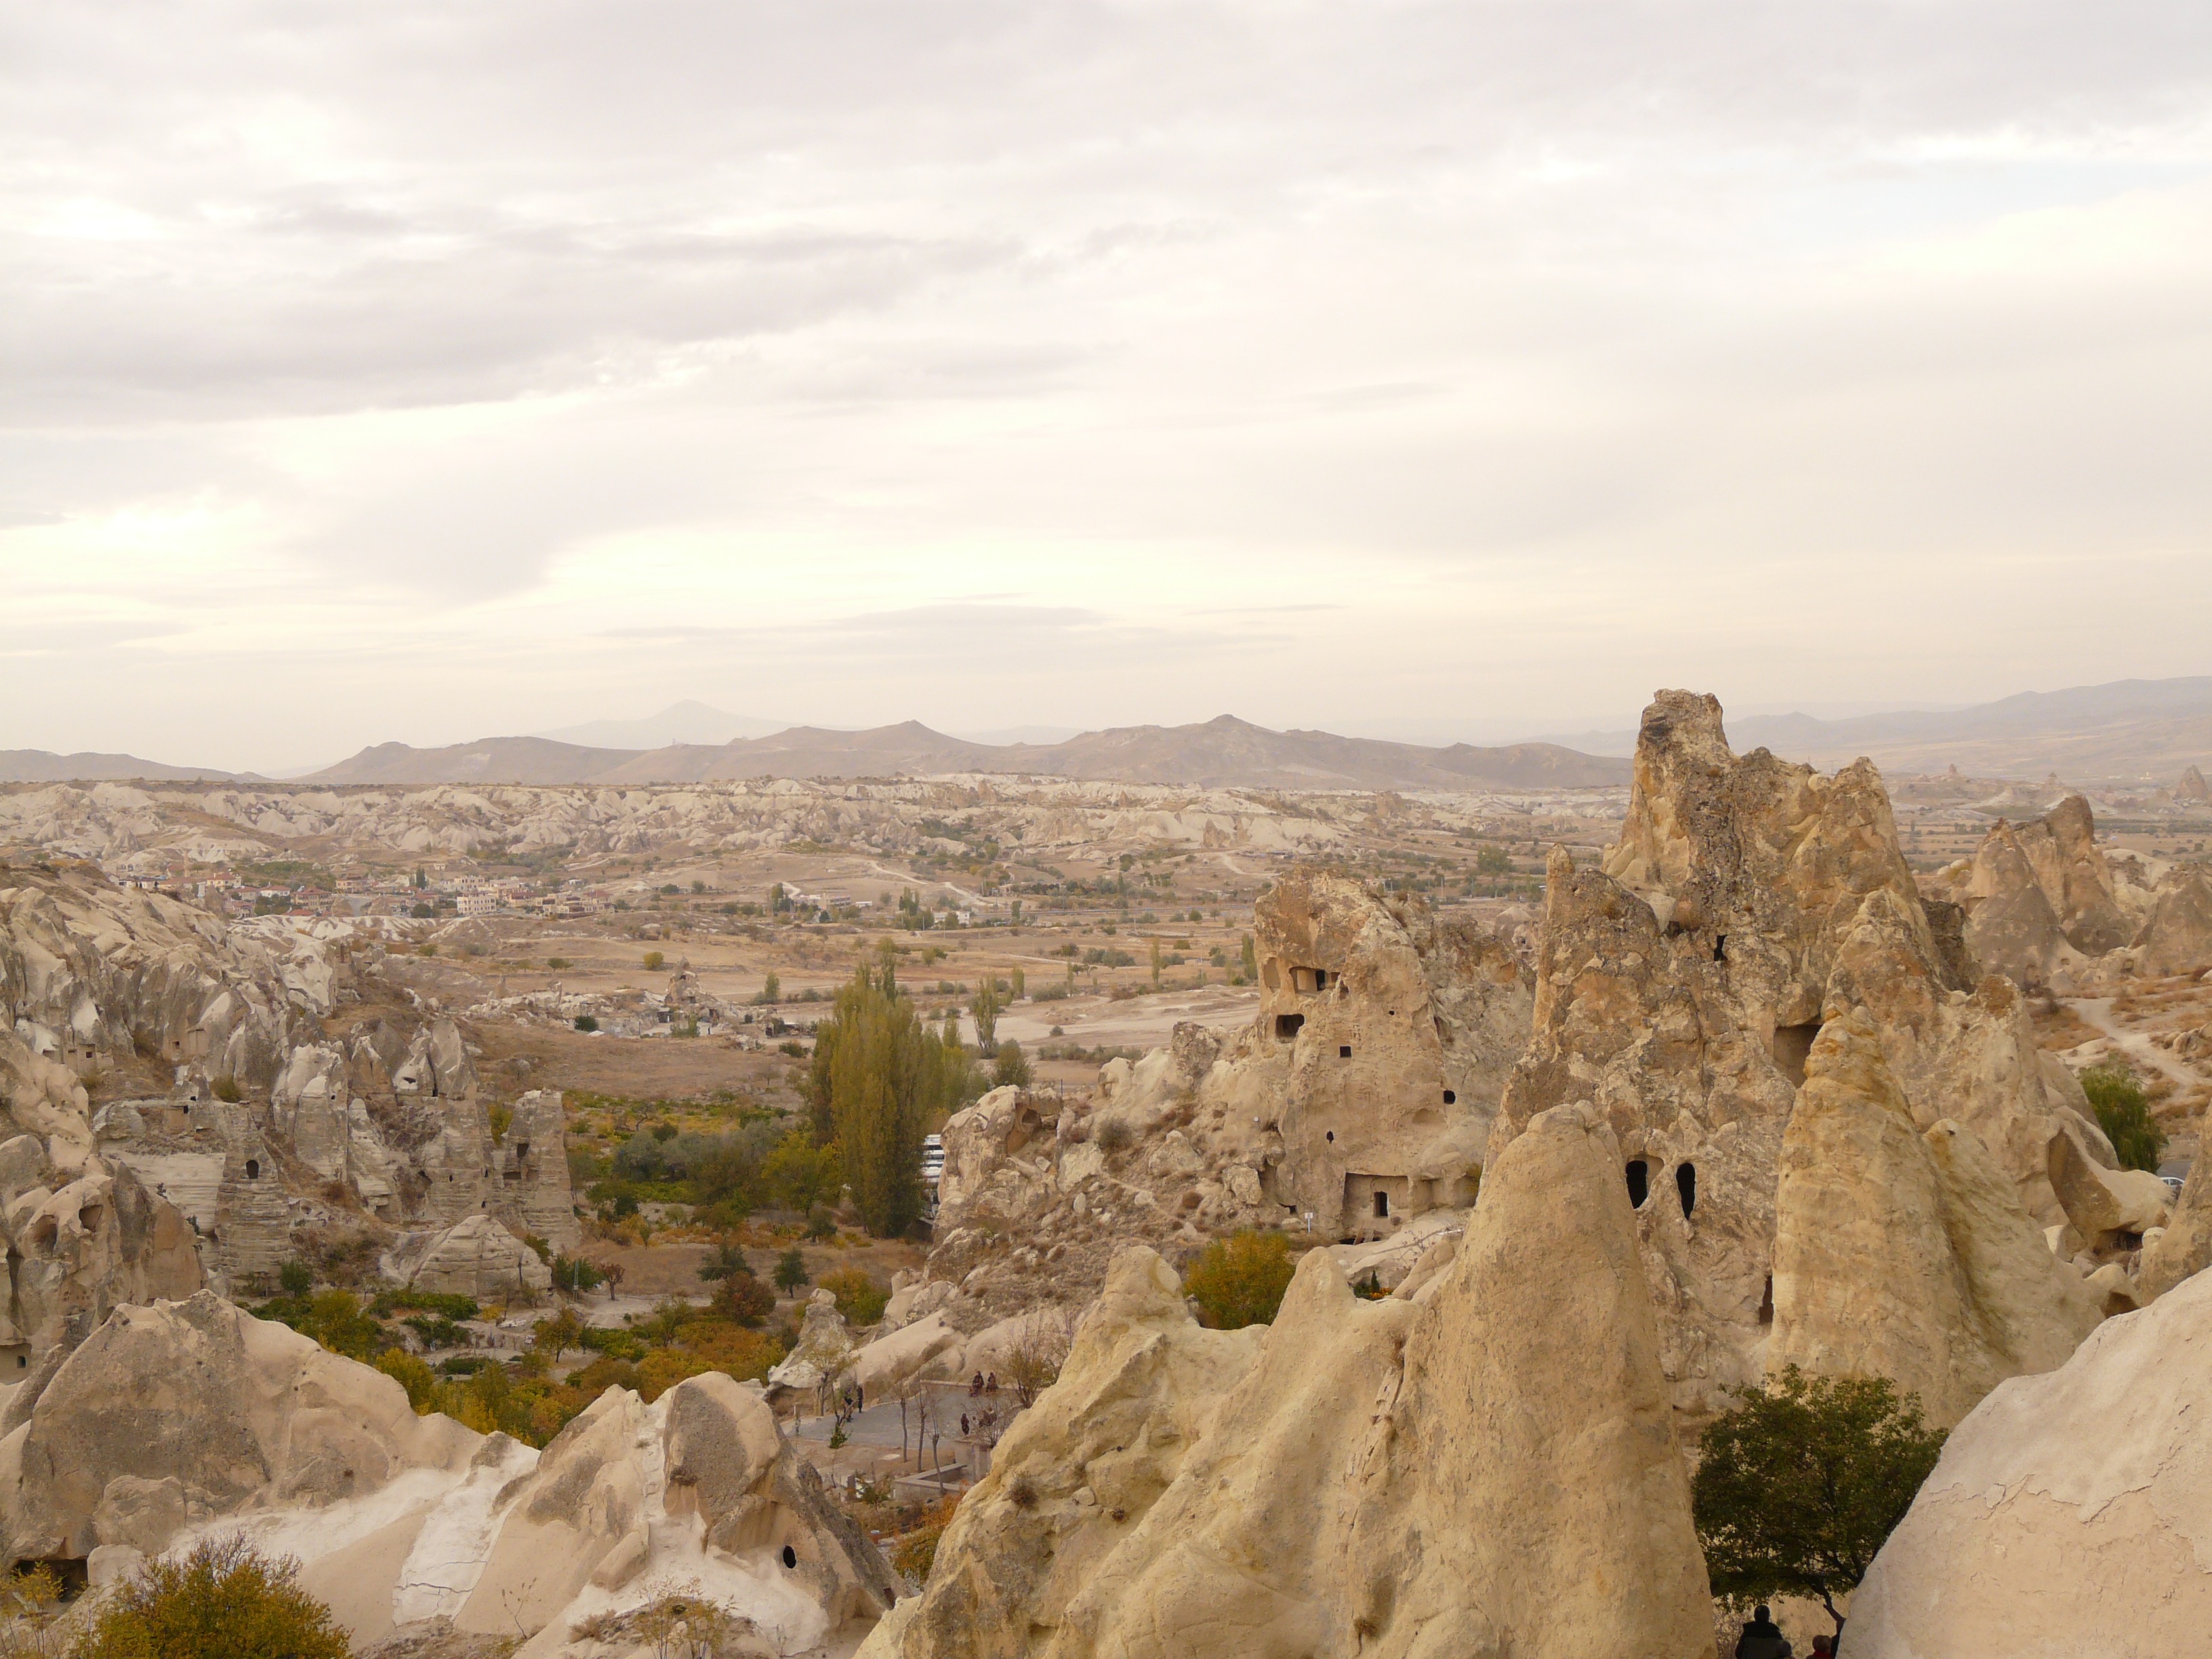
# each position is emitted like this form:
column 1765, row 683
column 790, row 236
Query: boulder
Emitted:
column 825, row 1345
column 2068, row 1514
column 2101, row 1203
column 928, row 1347
column 1907, row 1255
column 475, row 1257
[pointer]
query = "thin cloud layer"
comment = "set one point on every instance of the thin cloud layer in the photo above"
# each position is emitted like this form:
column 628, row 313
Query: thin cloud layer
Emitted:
column 427, row 371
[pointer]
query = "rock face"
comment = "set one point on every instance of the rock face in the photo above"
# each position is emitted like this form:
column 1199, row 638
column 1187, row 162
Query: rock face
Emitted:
column 83, row 1235
column 183, row 1418
column 2042, row 894
column 183, row 1411
column 825, row 1344
column 1682, row 987
column 2068, row 1514
column 1362, row 1095
column 1454, row 1471
column 2177, row 935
column 1904, row 1254
column 475, row 1257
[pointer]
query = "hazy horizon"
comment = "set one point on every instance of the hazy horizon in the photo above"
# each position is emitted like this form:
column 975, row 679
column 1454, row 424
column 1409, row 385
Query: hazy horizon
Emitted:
column 1431, row 371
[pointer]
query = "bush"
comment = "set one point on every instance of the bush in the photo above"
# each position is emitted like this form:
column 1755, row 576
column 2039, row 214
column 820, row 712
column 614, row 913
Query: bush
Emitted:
column 586, row 1023
column 654, row 962
column 859, row 1298
column 1012, row 1066
column 1240, row 1281
column 223, row 1600
column 226, row 1089
column 791, row 1269
column 1115, row 1135
column 743, row 1298
column 296, row 1276
column 1797, row 1487
column 2123, row 1113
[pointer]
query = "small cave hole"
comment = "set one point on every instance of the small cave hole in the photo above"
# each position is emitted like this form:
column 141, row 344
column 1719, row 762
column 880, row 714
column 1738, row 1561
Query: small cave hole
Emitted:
column 1639, row 1182
column 1685, row 1183
column 1766, row 1303
column 1720, row 947
column 1332, row 1137
column 790, row 1556
column 1792, row 1044
column 253, row 1169
column 1451, row 1097
column 1381, row 1203
column 1286, row 1026
column 1344, row 1051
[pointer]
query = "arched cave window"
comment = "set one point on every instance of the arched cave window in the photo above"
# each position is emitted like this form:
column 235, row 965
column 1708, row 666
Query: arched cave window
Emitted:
column 1766, row 1303
column 1720, row 947
column 1639, row 1182
column 790, row 1556
column 1332, row 1137
column 1685, row 1183
column 1451, row 1097
column 253, row 1169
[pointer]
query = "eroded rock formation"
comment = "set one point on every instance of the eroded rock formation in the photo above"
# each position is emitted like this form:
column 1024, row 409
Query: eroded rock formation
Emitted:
column 1905, row 1252
column 2068, row 1514
column 1451, row 1470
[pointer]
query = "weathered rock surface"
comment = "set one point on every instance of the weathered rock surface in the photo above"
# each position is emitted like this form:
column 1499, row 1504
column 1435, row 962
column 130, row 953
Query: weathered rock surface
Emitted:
column 2042, row 896
column 1455, row 1471
column 183, row 1418
column 1361, row 1096
column 825, row 1345
column 1682, row 987
column 2068, row 1514
column 1904, row 1254
column 2177, row 934
column 475, row 1257
column 2184, row 1248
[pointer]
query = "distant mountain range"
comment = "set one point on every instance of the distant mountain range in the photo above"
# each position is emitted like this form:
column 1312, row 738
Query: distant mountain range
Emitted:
column 41, row 766
column 1225, row 752
column 2129, row 730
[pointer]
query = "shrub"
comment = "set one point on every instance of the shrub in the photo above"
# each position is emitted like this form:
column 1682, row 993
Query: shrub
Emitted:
column 791, row 1269
column 296, row 1276
column 915, row 1554
column 586, row 1023
column 654, row 962
column 1797, row 1487
column 859, row 1298
column 1012, row 1065
column 224, row 1599
column 1115, row 1135
column 226, row 1089
column 2123, row 1113
column 1240, row 1281
column 743, row 1298
column 556, row 963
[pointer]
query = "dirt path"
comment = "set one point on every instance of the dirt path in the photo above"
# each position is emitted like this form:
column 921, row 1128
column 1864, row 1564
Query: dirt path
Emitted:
column 2097, row 1011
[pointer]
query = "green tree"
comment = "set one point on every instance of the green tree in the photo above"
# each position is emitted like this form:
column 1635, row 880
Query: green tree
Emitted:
column 296, row 1276
column 586, row 1023
column 1155, row 964
column 1797, row 1487
column 771, row 988
column 986, row 1009
column 2123, row 1113
column 654, row 962
column 1251, row 962
column 886, row 1076
column 791, row 1269
column 859, row 1298
column 799, row 1173
column 1240, row 1281
column 556, row 1335
column 743, row 1297
column 223, row 1600
column 1012, row 1066
column 1018, row 981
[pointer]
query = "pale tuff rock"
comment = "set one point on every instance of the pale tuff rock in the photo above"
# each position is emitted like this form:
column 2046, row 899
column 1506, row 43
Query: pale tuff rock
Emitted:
column 477, row 1256
column 2041, row 896
column 183, row 1411
column 2184, row 1246
column 2102, row 1205
column 183, row 1418
column 1361, row 1097
column 2177, row 935
column 532, row 1162
column 825, row 1345
column 2192, row 790
column 1904, row 1254
column 82, row 1234
column 1452, row 1472
column 1138, row 1389
column 89, row 971
column 2069, row 1513
column 1681, row 989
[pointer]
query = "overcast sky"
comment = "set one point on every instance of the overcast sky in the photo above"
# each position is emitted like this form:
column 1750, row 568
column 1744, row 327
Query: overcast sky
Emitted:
column 430, row 371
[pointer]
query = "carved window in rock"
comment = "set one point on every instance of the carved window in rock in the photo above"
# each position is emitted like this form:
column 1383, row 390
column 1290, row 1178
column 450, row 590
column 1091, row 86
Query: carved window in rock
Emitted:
column 1381, row 1203
column 1451, row 1097
column 253, row 1169
column 1306, row 981
column 1792, row 1044
column 1685, row 1183
column 1287, row 1026
column 1639, row 1182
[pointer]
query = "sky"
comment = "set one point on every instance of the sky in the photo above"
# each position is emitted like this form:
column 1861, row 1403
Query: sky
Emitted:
column 426, row 372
